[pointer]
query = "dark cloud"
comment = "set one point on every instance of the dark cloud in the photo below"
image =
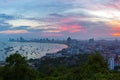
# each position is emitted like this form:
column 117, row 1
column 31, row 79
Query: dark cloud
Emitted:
column 36, row 30
column 22, row 27
column 55, row 15
column 4, row 26
column 6, row 17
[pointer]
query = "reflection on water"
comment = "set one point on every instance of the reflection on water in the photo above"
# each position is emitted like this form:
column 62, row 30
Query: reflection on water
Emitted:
column 30, row 50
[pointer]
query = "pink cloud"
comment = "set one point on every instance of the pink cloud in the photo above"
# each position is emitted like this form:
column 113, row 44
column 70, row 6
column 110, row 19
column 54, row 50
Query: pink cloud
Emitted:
column 68, row 19
column 114, row 5
column 71, row 28
column 51, row 34
column 75, row 28
column 14, row 32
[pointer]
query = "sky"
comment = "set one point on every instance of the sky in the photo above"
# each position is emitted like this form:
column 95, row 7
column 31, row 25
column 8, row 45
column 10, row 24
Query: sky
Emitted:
column 79, row 19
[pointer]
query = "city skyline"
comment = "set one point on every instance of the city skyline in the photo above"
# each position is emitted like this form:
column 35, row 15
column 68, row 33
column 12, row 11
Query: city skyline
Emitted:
column 80, row 19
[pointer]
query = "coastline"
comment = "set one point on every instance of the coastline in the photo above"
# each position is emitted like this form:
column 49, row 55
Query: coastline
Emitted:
column 34, row 50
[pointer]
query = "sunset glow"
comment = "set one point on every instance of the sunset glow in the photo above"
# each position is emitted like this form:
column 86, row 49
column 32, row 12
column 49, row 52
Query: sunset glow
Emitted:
column 116, row 34
column 63, row 17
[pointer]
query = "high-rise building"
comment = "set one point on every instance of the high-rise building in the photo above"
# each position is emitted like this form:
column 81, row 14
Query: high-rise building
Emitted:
column 111, row 63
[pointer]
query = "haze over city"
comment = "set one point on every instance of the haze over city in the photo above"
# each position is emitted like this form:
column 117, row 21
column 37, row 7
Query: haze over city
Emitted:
column 80, row 19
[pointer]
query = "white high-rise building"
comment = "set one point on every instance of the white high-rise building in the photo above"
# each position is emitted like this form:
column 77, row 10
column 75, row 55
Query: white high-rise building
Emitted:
column 111, row 63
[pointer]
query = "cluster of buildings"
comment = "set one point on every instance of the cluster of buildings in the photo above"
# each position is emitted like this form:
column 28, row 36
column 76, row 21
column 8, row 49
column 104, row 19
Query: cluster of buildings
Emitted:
column 109, row 49
column 41, row 40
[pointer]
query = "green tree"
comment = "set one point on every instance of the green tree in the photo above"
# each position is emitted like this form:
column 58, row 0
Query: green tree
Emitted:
column 96, row 68
column 17, row 68
column 97, row 63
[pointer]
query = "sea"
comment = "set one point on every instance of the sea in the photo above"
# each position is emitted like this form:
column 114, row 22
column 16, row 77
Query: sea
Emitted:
column 30, row 50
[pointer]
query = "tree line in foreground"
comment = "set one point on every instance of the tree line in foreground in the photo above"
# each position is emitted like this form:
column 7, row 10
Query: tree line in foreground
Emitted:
column 93, row 68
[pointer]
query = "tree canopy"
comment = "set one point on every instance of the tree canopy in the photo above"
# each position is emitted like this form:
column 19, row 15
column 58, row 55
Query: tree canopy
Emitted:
column 17, row 68
column 94, row 68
